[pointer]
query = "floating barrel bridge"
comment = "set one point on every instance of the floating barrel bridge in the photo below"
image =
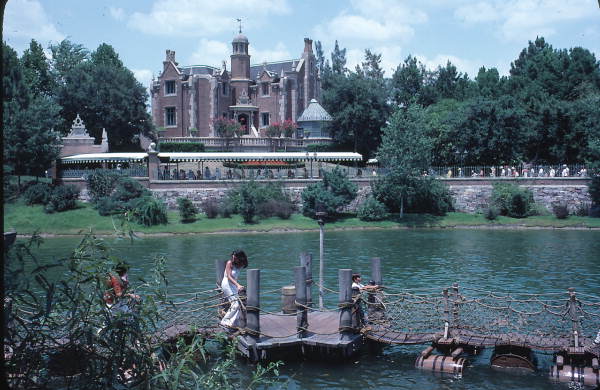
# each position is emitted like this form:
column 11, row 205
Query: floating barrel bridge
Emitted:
column 454, row 323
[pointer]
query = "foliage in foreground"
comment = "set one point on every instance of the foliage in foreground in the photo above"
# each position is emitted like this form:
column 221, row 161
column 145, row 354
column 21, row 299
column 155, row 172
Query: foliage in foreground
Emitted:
column 60, row 334
column 512, row 200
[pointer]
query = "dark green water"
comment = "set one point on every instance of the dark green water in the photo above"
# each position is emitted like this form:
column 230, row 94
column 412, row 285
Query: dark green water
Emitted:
column 505, row 261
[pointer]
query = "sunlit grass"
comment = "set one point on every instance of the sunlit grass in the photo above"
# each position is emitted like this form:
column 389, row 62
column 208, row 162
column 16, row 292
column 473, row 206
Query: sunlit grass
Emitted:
column 27, row 219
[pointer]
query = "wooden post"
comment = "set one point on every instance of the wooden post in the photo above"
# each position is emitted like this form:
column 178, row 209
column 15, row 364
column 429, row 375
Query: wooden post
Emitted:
column 446, row 314
column 574, row 316
column 375, row 311
column 252, row 309
column 455, row 309
column 345, row 301
column 306, row 262
column 301, row 311
column 321, row 265
column 219, row 271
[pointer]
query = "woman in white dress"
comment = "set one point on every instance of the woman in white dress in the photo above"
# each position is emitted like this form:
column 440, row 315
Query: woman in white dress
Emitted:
column 231, row 287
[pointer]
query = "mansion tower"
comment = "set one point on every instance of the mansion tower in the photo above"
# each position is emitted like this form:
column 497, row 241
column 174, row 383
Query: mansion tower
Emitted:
column 187, row 99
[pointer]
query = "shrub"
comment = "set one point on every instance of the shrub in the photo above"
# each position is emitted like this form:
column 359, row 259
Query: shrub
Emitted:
column 594, row 190
column 101, row 183
column 187, row 210
column 583, row 210
column 372, row 210
column 38, row 194
column 149, row 211
column 430, row 196
column 128, row 189
column 335, row 192
column 225, row 209
column 513, row 201
column 211, row 208
column 62, row 198
column 561, row 211
column 109, row 206
column 181, row 147
column 320, row 148
column 275, row 208
column 248, row 202
column 491, row 213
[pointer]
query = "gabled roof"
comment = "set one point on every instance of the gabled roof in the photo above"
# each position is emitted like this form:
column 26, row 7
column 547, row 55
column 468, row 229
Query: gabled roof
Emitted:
column 271, row 67
column 314, row 112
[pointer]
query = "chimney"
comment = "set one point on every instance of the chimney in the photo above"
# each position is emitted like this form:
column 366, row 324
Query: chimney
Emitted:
column 170, row 56
column 307, row 45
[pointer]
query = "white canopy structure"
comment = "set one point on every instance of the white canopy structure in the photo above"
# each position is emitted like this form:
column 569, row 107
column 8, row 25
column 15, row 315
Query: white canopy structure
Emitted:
column 266, row 156
column 104, row 157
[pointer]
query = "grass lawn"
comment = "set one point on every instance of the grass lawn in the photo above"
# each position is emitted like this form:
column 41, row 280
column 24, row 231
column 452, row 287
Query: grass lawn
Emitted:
column 27, row 219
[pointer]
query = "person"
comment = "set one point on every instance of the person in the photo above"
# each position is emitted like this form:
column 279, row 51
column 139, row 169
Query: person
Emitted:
column 493, row 172
column 541, row 172
column 583, row 172
column 357, row 285
column 231, row 286
column 449, row 174
column 552, row 172
column 117, row 284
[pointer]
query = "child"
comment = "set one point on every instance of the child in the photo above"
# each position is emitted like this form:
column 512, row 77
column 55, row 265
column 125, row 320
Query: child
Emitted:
column 357, row 285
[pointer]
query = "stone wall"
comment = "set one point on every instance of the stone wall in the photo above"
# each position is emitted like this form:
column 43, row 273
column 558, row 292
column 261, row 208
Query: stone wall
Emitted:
column 469, row 195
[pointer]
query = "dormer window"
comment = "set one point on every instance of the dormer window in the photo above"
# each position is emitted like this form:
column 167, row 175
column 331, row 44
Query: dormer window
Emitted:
column 265, row 89
column 170, row 87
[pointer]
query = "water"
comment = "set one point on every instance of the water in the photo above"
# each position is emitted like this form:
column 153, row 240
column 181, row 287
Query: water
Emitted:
column 532, row 261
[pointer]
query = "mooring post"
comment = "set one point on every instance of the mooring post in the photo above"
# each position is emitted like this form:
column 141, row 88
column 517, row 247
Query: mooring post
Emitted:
column 575, row 320
column 375, row 311
column 306, row 262
column 219, row 271
column 345, row 303
column 455, row 309
column 446, row 314
column 301, row 309
column 252, row 310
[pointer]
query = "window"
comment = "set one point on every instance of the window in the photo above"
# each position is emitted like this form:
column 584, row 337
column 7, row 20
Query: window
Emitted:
column 170, row 87
column 170, row 116
column 265, row 89
column 225, row 89
column 264, row 118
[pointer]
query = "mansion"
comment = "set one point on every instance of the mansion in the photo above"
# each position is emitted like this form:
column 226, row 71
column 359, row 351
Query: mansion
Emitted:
column 187, row 99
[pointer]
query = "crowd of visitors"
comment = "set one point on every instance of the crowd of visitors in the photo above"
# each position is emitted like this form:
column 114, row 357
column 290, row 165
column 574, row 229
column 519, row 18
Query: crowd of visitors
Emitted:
column 512, row 171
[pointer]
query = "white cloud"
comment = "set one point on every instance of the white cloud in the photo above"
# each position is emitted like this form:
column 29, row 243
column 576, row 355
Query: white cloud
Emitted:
column 520, row 20
column 117, row 13
column 198, row 18
column 278, row 53
column 462, row 65
column 210, row 52
column 372, row 21
column 25, row 20
column 144, row 76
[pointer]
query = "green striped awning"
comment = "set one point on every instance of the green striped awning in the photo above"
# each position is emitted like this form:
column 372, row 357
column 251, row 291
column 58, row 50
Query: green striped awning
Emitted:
column 104, row 157
column 257, row 156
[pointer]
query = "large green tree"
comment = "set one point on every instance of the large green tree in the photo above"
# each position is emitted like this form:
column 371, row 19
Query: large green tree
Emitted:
column 30, row 142
column 107, row 96
column 36, row 71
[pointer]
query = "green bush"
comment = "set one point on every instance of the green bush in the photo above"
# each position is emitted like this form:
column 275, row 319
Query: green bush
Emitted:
column 583, row 210
column 333, row 193
column 187, row 210
column 101, row 183
column 491, row 213
column 109, row 206
column 594, row 190
column 372, row 210
column 320, row 148
column 276, row 208
column 38, row 193
column 149, row 211
column 225, row 209
column 512, row 200
column 181, row 147
column 248, row 201
column 560, row 211
column 62, row 198
column 430, row 196
column 128, row 189
column 211, row 208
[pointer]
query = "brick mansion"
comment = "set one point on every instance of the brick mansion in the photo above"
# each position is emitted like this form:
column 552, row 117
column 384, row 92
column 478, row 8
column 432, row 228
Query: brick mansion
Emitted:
column 187, row 99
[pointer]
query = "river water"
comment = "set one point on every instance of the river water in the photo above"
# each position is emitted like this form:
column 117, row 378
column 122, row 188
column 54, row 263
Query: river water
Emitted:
column 529, row 261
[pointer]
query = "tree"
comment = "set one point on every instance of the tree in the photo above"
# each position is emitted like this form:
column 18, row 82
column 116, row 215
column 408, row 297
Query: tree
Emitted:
column 407, row 81
column 30, row 143
column 371, row 66
column 406, row 150
column 66, row 55
column 36, row 71
column 273, row 131
column 107, row 96
column 338, row 60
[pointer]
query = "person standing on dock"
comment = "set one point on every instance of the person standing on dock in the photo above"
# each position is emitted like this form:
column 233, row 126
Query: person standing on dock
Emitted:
column 231, row 287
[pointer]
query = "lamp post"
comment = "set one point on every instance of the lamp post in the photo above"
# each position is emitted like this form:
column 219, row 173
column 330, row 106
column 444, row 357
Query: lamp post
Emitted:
column 321, row 214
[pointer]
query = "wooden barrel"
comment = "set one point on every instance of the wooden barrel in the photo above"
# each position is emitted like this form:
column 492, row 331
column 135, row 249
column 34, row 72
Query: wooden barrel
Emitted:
column 288, row 299
column 584, row 375
column 441, row 363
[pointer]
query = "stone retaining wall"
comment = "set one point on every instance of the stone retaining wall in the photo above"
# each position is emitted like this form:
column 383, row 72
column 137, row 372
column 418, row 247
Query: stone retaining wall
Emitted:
column 470, row 195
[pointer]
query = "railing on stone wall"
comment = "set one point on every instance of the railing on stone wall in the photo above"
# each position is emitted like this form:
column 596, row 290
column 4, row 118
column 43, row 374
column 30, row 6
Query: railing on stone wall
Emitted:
column 249, row 141
column 487, row 171
column 77, row 173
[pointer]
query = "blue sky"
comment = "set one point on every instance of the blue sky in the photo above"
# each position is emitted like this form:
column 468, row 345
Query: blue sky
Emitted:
column 471, row 34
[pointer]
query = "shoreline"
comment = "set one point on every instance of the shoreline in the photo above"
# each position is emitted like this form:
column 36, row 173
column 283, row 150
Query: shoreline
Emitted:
column 290, row 230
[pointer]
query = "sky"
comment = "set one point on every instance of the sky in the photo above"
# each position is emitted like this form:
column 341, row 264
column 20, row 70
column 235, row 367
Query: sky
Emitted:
column 469, row 33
